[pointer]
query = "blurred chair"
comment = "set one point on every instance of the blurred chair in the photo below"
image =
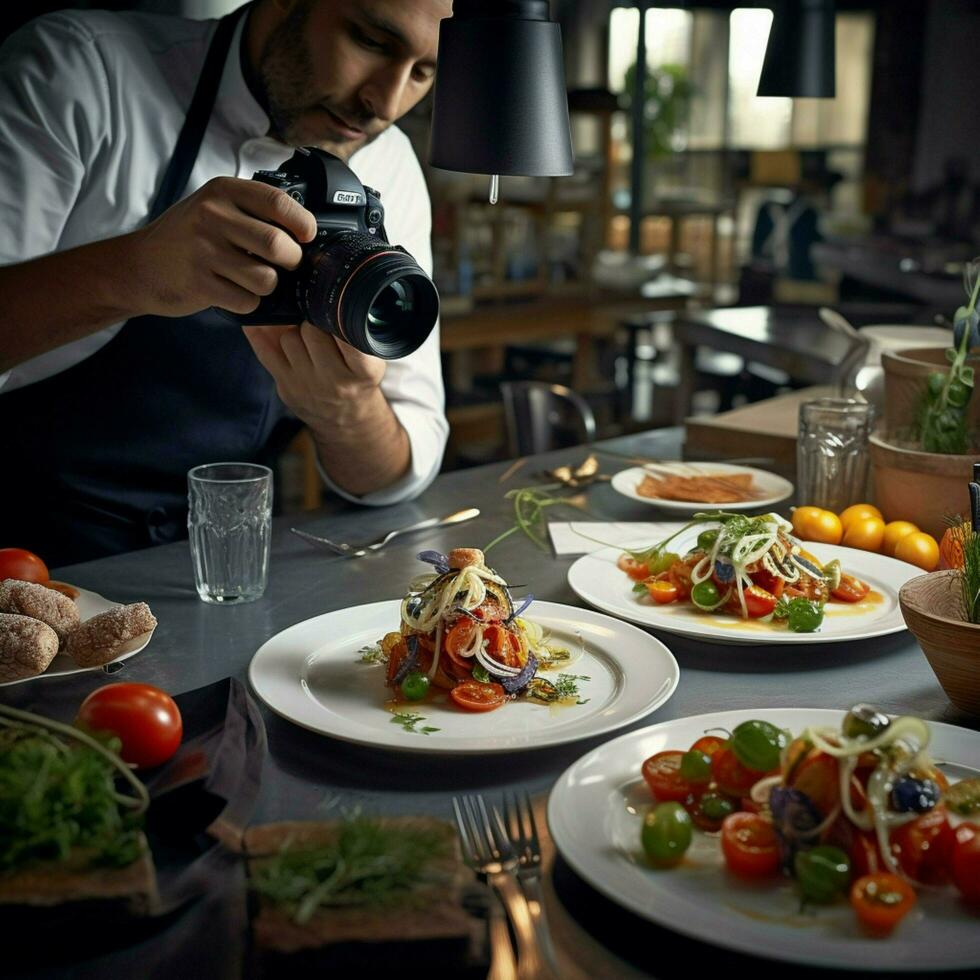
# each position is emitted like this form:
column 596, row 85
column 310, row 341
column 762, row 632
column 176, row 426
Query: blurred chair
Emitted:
column 540, row 417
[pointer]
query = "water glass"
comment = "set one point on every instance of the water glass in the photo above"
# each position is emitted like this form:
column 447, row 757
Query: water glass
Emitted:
column 832, row 452
column 230, row 527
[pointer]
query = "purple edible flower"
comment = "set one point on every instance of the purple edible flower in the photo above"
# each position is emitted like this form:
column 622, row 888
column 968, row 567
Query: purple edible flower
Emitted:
column 435, row 558
column 794, row 818
column 410, row 662
column 517, row 682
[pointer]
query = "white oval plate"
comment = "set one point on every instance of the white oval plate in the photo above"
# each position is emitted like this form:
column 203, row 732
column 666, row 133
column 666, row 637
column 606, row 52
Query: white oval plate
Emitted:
column 774, row 487
column 595, row 813
column 596, row 579
column 311, row 674
column 89, row 604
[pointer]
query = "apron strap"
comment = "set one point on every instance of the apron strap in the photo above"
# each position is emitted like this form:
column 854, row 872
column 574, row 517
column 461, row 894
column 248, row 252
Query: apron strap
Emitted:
column 196, row 122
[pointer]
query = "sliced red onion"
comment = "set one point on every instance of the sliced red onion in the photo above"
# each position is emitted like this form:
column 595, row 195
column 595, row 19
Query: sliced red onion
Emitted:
column 410, row 663
column 492, row 666
column 435, row 558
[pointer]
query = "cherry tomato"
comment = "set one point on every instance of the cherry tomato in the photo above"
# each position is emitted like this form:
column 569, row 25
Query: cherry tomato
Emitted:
column 662, row 773
column 22, row 565
column 732, row 777
column 866, row 858
column 919, row 549
column 881, row 901
column 758, row 602
column 680, row 575
column 814, row 524
column 817, row 778
column 502, row 645
column 894, row 532
column 474, row 696
column 146, row 720
column 634, row 569
column 750, row 845
column 866, row 533
column 459, row 636
column 662, row 592
column 850, row 589
column 966, row 862
column 771, row 583
column 924, row 847
column 858, row 512
column 709, row 745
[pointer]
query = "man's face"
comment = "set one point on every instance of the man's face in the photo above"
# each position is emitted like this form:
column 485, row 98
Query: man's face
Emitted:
column 337, row 73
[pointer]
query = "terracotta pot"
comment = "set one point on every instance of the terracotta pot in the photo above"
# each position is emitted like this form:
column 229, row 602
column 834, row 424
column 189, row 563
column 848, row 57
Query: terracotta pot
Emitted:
column 933, row 611
column 924, row 488
column 906, row 373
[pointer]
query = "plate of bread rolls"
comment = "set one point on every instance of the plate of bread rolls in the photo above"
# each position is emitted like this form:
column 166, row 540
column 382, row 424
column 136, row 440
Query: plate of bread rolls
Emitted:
column 55, row 629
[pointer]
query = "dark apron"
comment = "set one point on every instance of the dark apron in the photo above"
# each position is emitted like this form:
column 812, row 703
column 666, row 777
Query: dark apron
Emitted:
column 96, row 457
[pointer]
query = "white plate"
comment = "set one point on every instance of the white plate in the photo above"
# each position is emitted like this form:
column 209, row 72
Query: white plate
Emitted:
column 89, row 604
column 311, row 674
column 774, row 487
column 595, row 812
column 597, row 580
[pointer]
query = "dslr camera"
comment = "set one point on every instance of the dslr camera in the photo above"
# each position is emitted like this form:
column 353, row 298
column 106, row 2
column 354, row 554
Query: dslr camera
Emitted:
column 351, row 282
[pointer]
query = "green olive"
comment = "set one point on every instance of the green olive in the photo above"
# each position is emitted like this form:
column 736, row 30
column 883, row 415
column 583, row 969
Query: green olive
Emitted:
column 696, row 767
column 705, row 595
column 707, row 539
column 823, row 873
column 758, row 745
column 666, row 834
column 864, row 721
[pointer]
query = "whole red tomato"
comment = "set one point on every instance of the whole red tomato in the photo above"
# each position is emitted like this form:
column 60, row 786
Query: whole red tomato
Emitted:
column 22, row 565
column 146, row 719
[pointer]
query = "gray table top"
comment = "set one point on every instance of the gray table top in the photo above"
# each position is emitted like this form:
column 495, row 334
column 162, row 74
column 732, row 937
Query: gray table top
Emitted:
column 307, row 775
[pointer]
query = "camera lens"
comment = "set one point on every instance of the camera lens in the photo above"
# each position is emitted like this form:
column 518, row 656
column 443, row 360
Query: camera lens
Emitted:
column 373, row 295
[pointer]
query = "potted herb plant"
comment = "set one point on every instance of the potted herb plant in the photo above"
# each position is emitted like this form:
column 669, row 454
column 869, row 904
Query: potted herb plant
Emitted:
column 923, row 456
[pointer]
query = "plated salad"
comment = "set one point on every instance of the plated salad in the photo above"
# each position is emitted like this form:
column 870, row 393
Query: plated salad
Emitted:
column 461, row 633
column 750, row 567
column 860, row 812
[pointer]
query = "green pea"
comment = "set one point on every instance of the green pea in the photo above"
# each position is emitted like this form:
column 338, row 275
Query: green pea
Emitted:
column 823, row 873
column 716, row 807
column 707, row 539
column 696, row 767
column 758, row 745
column 805, row 616
column 864, row 721
column 705, row 594
column 666, row 834
column 415, row 686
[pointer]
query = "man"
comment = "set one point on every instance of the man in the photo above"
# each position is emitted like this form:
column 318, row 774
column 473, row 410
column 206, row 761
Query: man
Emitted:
column 112, row 381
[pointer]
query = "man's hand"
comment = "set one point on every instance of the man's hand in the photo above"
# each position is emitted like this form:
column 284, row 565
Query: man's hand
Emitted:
column 334, row 389
column 218, row 247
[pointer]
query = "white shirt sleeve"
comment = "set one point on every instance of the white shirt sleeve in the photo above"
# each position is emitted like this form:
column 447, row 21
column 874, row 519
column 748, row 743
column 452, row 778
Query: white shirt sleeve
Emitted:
column 53, row 119
column 413, row 385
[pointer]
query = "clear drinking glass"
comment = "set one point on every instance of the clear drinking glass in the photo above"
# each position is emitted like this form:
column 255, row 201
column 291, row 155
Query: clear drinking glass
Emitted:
column 230, row 527
column 832, row 452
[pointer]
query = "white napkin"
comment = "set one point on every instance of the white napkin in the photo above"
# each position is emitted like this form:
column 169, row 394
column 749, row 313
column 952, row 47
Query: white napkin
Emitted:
column 583, row 537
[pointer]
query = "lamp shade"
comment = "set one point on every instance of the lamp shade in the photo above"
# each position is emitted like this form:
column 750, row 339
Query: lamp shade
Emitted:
column 500, row 101
column 800, row 57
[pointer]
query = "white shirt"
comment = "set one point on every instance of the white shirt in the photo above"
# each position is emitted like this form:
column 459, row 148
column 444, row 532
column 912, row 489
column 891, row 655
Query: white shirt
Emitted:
column 91, row 104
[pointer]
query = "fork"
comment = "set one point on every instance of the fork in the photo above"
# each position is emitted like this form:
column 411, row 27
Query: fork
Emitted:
column 488, row 852
column 357, row 551
column 522, row 831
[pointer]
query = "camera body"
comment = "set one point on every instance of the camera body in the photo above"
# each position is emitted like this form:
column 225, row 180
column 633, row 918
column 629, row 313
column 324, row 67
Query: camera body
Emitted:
column 351, row 281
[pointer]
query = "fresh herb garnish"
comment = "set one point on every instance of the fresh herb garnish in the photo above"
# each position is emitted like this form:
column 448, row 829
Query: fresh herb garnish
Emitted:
column 967, row 539
column 369, row 864
column 530, row 505
column 58, row 795
column 410, row 721
column 480, row 674
column 372, row 655
column 550, row 657
column 563, row 688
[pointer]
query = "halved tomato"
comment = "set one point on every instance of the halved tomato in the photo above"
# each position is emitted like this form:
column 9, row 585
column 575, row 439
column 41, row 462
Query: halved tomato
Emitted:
column 758, row 602
column 750, row 845
column 662, row 773
column 850, row 589
column 732, row 777
column 474, row 696
column 709, row 745
column 881, row 901
column 924, row 847
column 817, row 778
column 766, row 580
column 662, row 591
column 503, row 646
column 966, row 862
column 637, row 570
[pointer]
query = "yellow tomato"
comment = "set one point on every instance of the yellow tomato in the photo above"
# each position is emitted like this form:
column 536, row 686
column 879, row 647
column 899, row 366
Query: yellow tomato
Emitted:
column 858, row 512
column 865, row 533
column 814, row 524
column 919, row 549
column 894, row 532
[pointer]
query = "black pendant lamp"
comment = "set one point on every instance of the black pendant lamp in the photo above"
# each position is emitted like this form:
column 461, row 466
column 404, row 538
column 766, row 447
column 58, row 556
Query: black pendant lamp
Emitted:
column 500, row 101
column 800, row 57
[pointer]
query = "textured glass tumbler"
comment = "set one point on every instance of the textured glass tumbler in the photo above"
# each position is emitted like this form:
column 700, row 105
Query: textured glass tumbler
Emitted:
column 832, row 452
column 230, row 528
